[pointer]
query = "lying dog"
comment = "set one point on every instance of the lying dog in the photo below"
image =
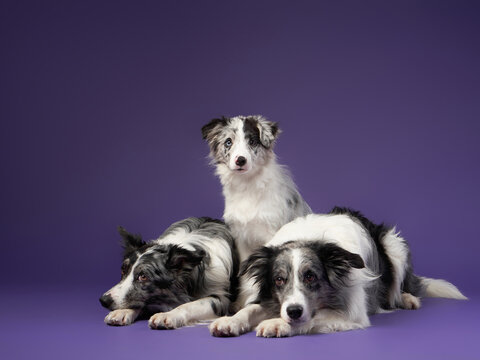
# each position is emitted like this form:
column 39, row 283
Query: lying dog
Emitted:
column 185, row 276
column 326, row 273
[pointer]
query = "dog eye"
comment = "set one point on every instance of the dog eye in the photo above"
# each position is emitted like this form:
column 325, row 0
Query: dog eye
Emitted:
column 252, row 142
column 228, row 142
column 142, row 278
column 309, row 277
column 279, row 281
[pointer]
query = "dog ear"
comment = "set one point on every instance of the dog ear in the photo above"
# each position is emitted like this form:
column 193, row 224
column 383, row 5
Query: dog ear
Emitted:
column 269, row 131
column 338, row 262
column 208, row 130
column 258, row 267
column 182, row 259
column 130, row 242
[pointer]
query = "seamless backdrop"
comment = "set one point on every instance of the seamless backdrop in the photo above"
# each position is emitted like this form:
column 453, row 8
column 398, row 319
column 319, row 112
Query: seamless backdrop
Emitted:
column 101, row 105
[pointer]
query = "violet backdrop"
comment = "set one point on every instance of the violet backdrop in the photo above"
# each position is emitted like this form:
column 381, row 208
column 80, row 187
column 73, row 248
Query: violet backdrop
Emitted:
column 102, row 103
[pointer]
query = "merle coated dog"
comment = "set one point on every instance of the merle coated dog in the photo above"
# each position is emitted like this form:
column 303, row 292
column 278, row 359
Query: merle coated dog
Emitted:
column 260, row 195
column 187, row 275
column 326, row 273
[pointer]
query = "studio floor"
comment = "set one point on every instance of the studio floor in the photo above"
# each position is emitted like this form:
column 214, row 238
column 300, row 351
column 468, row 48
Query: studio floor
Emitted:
column 68, row 324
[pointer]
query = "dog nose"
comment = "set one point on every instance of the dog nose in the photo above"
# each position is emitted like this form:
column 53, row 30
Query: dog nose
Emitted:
column 240, row 161
column 106, row 301
column 294, row 311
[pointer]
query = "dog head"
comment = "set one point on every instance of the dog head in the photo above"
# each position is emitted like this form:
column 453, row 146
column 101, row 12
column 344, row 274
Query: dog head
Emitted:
column 155, row 277
column 241, row 144
column 300, row 278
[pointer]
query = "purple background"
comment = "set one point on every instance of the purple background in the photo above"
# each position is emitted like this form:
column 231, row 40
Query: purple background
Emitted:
column 101, row 106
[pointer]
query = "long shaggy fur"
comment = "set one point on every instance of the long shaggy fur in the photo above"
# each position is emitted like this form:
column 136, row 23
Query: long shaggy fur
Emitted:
column 325, row 273
column 186, row 275
column 260, row 195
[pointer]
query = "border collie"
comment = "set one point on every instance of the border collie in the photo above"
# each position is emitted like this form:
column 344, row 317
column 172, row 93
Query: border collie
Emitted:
column 327, row 273
column 260, row 196
column 185, row 276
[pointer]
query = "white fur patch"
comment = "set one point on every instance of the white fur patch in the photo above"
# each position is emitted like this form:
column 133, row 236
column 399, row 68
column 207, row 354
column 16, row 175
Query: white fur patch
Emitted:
column 240, row 148
column 274, row 328
column 397, row 251
column 337, row 229
column 410, row 302
column 441, row 288
column 121, row 317
column 296, row 297
column 257, row 206
column 119, row 291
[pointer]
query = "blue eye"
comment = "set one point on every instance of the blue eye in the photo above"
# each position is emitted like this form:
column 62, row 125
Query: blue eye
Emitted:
column 252, row 142
column 228, row 142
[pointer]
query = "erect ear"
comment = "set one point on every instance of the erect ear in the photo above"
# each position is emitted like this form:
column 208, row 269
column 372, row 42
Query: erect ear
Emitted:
column 269, row 131
column 182, row 259
column 209, row 130
column 338, row 262
column 130, row 242
column 258, row 267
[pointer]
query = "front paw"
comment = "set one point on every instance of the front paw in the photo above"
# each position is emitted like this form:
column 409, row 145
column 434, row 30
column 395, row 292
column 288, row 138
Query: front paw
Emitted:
column 121, row 317
column 167, row 321
column 410, row 302
column 274, row 328
column 228, row 326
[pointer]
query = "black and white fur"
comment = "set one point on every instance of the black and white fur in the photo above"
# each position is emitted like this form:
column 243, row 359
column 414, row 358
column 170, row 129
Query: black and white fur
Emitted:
column 260, row 195
column 187, row 275
column 327, row 273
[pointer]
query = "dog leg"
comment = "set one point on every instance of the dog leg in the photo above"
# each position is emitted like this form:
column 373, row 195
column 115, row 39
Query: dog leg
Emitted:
column 274, row 328
column 410, row 302
column 243, row 321
column 327, row 321
column 121, row 317
column 189, row 313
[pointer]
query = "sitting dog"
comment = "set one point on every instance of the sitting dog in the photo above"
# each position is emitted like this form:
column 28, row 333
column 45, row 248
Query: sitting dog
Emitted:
column 185, row 276
column 326, row 273
column 260, row 195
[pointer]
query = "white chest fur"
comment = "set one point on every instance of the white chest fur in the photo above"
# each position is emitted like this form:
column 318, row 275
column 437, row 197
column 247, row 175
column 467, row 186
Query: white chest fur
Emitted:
column 257, row 206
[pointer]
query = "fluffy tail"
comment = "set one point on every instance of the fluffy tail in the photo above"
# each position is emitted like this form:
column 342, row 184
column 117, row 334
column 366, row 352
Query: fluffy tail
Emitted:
column 440, row 288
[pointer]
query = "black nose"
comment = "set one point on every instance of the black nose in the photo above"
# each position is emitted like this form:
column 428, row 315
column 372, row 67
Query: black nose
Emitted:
column 241, row 161
column 106, row 301
column 294, row 311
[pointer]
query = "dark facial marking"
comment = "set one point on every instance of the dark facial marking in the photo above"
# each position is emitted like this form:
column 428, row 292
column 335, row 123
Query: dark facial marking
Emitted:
column 252, row 133
column 214, row 124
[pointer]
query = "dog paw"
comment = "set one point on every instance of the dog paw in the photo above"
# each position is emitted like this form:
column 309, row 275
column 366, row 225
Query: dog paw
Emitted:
column 121, row 317
column 274, row 328
column 167, row 321
column 410, row 302
column 228, row 326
